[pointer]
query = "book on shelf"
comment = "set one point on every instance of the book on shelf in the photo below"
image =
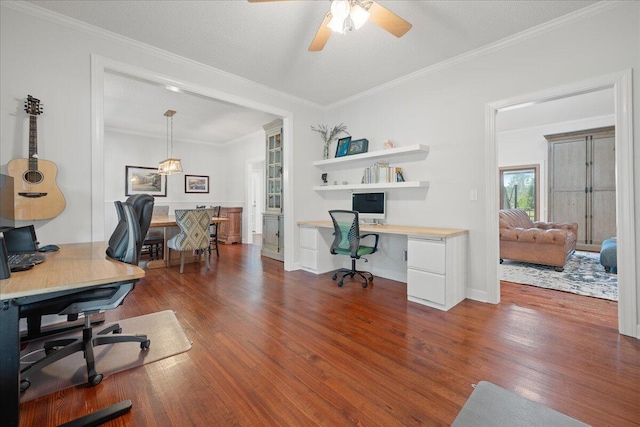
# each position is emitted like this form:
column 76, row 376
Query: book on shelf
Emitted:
column 381, row 173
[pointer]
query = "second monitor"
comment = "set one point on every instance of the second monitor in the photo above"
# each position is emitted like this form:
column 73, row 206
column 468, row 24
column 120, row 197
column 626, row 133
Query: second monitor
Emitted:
column 370, row 206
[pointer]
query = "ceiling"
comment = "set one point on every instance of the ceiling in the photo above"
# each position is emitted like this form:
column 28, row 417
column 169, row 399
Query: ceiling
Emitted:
column 138, row 107
column 267, row 43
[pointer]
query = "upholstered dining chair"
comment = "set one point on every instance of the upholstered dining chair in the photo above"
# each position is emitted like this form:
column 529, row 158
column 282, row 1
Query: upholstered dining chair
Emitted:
column 193, row 235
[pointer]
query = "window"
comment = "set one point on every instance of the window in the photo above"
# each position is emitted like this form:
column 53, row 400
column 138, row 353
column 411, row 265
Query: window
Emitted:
column 519, row 189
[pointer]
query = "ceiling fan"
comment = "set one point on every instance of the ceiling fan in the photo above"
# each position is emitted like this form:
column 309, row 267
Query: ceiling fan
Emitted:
column 347, row 15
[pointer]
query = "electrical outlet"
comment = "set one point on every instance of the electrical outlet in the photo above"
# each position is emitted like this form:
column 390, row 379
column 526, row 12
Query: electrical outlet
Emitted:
column 473, row 195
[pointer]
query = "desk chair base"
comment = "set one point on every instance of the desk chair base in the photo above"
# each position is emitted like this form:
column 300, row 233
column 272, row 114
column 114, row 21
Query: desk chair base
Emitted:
column 352, row 273
column 59, row 349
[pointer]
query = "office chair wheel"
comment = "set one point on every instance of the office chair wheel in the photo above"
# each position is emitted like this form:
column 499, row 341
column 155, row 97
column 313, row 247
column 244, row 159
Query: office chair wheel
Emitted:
column 335, row 276
column 340, row 283
column 95, row 379
column 24, row 385
column 145, row 345
column 365, row 284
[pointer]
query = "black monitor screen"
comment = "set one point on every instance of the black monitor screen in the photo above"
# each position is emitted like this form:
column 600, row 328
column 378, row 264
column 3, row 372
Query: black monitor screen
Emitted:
column 369, row 205
column 21, row 239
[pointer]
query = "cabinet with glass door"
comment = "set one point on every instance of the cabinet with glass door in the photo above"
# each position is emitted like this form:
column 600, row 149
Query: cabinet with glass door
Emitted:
column 273, row 234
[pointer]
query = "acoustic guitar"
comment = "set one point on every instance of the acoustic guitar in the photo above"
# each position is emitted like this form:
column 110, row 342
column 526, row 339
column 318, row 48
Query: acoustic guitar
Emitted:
column 36, row 194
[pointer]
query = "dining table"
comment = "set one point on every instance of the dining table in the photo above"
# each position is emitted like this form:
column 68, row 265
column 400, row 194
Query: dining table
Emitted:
column 170, row 228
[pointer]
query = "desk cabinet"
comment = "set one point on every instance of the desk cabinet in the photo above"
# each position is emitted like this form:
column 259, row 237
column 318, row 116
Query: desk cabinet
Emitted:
column 314, row 250
column 230, row 231
column 436, row 273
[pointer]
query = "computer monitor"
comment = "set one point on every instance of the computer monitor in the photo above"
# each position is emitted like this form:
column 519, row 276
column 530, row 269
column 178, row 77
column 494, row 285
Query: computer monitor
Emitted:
column 369, row 205
column 7, row 216
column 21, row 240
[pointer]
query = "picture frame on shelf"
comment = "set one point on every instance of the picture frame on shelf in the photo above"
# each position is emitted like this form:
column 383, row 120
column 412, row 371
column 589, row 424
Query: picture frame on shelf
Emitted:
column 358, row 146
column 343, row 146
column 144, row 180
column 196, row 183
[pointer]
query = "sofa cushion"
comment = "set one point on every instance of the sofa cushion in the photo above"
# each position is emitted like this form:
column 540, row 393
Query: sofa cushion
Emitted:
column 514, row 218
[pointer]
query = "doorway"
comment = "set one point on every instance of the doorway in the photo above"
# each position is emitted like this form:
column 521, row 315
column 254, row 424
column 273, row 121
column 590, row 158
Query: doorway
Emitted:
column 621, row 83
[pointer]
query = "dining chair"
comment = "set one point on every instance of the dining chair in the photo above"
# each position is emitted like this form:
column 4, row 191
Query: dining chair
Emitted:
column 213, row 229
column 154, row 240
column 193, row 235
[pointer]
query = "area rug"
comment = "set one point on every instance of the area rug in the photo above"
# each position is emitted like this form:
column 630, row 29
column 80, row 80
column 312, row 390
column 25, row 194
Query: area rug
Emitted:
column 162, row 328
column 493, row 406
column 583, row 275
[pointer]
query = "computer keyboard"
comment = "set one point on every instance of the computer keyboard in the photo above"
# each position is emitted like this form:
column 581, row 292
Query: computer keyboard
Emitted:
column 29, row 258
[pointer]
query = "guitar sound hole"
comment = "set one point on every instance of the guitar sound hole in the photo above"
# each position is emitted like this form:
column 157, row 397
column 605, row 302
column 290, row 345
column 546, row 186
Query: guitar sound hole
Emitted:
column 33, row 177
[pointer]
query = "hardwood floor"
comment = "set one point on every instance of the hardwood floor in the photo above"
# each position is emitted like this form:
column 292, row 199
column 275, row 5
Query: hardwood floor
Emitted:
column 291, row 348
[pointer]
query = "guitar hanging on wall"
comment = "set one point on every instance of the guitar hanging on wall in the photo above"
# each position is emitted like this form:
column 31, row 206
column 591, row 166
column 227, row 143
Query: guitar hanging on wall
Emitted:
column 36, row 194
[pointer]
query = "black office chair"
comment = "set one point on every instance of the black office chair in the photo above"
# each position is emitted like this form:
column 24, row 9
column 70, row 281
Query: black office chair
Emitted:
column 346, row 226
column 213, row 228
column 125, row 245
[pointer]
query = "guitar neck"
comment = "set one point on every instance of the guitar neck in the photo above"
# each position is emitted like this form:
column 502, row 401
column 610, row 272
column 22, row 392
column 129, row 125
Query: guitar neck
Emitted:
column 33, row 143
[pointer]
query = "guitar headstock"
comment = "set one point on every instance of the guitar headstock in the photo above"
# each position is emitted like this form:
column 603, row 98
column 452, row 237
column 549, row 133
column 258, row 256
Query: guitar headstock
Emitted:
column 32, row 106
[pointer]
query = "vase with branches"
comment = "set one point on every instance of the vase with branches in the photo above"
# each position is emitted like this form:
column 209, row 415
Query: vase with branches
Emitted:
column 329, row 135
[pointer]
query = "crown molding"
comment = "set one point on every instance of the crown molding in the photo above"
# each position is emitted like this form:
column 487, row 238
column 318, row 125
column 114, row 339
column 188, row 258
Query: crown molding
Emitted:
column 546, row 27
column 74, row 24
column 163, row 137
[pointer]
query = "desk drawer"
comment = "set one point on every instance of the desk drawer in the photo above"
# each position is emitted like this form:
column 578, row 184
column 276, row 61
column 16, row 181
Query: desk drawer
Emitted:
column 309, row 258
column 309, row 238
column 427, row 286
column 428, row 255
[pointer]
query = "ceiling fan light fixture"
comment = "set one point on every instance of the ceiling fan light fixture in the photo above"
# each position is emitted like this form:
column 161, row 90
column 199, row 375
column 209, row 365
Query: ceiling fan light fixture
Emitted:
column 359, row 16
column 340, row 10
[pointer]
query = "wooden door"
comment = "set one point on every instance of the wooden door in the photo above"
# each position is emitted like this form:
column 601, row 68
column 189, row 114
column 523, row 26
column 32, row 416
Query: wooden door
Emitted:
column 602, row 190
column 568, row 183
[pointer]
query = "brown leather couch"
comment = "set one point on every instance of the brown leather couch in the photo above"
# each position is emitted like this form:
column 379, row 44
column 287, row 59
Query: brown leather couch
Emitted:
column 537, row 242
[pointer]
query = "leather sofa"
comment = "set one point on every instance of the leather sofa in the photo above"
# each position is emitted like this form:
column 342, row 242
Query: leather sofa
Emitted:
column 536, row 242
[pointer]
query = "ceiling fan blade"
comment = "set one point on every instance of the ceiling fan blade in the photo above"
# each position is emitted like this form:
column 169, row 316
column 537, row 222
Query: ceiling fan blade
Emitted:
column 388, row 20
column 322, row 35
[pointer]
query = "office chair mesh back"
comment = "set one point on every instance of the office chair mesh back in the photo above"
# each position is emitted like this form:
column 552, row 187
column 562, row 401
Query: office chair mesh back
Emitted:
column 347, row 234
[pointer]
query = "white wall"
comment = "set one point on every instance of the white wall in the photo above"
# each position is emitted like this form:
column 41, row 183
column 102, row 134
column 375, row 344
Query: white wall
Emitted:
column 444, row 109
column 123, row 149
column 527, row 146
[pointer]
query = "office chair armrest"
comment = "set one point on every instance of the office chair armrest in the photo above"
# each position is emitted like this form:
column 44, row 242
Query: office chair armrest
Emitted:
column 377, row 236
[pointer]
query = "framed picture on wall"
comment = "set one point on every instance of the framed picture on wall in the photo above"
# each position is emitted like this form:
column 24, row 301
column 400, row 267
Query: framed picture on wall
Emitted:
column 144, row 180
column 358, row 146
column 196, row 184
column 343, row 146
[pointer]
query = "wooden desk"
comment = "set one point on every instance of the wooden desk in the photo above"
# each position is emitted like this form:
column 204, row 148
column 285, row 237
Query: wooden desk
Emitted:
column 436, row 258
column 74, row 267
column 170, row 228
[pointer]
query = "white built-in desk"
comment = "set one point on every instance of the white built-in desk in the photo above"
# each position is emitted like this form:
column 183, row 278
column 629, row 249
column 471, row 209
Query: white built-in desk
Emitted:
column 436, row 258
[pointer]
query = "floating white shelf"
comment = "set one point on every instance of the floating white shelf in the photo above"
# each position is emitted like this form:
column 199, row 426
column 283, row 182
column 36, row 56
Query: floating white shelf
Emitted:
column 377, row 186
column 408, row 153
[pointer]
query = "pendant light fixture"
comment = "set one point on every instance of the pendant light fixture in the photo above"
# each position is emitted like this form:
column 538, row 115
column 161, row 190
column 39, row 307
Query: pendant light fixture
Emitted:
column 170, row 165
